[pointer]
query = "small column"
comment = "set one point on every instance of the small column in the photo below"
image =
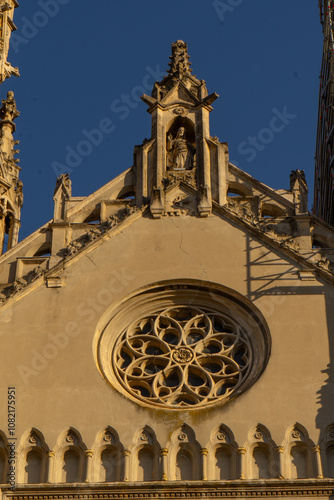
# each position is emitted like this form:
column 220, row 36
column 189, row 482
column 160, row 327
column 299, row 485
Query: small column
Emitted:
column 2, row 232
column 88, row 472
column 163, row 454
column 202, row 149
column 50, row 467
column 242, row 462
column 280, row 454
column 13, row 236
column 204, row 454
column 126, row 454
column 61, row 236
column 222, row 173
column 318, row 466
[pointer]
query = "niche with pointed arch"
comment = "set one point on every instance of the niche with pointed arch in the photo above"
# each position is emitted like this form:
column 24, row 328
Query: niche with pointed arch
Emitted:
column 182, row 345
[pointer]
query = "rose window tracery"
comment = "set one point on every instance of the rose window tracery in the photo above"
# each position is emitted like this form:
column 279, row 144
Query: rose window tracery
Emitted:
column 182, row 357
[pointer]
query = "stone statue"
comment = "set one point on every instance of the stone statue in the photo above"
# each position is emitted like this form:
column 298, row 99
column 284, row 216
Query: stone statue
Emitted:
column 19, row 192
column 9, row 110
column 180, row 152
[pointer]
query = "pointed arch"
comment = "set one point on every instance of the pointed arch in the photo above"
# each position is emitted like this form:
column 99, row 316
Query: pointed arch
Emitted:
column 175, row 123
column 261, row 458
column 273, row 210
column 107, row 463
column 327, row 451
column 298, row 463
column 4, row 455
column 145, row 453
column 184, row 456
column 239, row 189
column 222, row 454
column 69, row 457
column 32, row 459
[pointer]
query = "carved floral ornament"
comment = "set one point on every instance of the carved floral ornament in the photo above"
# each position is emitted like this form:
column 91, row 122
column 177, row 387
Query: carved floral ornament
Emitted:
column 159, row 351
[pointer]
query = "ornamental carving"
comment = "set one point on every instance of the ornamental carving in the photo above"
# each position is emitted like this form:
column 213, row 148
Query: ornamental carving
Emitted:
column 108, row 438
column 70, row 438
column 182, row 357
column 8, row 109
column 296, row 434
column 182, row 436
column 180, row 111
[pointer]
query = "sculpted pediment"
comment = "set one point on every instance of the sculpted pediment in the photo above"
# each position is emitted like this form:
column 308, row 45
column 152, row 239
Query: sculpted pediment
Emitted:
column 179, row 94
column 180, row 201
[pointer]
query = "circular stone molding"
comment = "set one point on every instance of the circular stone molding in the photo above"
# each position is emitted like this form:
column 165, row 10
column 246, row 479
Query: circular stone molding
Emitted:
column 183, row 346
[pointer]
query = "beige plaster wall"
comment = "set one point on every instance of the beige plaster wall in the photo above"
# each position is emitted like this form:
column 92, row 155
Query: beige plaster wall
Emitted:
column 68, row 390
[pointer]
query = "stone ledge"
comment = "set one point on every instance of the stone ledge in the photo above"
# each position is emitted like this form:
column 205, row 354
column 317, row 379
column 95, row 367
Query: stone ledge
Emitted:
column 173, row 489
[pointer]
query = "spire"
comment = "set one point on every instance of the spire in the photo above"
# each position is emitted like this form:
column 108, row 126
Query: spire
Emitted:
column 11, row 193
column 8, row 113
column 180, row 63
column 11, row 187
column 7, row 26
column 179, row 72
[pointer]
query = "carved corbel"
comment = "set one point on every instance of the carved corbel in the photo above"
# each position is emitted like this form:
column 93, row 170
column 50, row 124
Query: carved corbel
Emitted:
column 156, row 203
column 204, row 205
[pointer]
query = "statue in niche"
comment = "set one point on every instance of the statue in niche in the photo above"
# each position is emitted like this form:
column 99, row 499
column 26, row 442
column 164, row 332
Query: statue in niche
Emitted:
column 180, row 153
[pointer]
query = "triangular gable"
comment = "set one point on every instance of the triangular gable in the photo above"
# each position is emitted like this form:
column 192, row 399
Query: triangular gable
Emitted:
column 179, row 94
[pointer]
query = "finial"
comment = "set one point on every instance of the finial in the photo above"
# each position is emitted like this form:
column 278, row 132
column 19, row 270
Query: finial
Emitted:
column 64, row 181
column 298, row 187
column 180, row 64
column 62, row 194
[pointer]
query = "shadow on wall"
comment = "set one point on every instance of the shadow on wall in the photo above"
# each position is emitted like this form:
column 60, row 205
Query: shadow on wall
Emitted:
column 326, row 394
column 263, row 282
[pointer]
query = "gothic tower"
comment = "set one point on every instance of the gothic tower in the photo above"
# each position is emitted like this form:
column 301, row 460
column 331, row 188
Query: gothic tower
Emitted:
column 324, row 168
column 11, row 196
column 181, row 148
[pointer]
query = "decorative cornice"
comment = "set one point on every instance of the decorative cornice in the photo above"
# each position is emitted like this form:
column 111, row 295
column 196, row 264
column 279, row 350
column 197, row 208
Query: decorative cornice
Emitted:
column 269, row 232
column 95, row 233
column 175, row 489
column 288, row 245
column 260, row 186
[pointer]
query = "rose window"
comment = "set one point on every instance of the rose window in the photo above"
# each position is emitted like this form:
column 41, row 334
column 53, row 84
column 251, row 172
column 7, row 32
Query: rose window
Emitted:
column 182, row 345
column 182, row 357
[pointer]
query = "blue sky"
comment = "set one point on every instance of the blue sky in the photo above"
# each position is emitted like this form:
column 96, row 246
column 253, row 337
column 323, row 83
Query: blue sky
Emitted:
column 80, row 61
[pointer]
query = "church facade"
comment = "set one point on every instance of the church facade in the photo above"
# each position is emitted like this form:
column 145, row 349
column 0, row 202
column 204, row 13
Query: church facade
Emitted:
column 170, row 335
